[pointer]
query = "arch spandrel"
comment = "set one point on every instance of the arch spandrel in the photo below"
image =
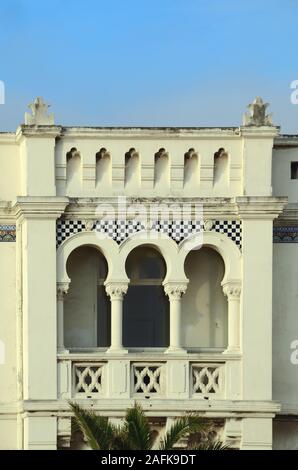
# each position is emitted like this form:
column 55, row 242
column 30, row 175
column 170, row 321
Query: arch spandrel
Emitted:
column 106, row 245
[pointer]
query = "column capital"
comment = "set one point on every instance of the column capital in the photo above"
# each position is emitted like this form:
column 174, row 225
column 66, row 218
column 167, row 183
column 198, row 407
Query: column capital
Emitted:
column 62, row 289
column 175, row 290
column 232, row 290
column 116, row 290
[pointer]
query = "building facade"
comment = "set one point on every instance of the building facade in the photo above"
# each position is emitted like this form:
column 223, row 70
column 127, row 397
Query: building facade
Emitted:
column 149, row 264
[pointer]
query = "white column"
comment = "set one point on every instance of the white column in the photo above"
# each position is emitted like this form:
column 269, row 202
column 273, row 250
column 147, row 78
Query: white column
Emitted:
column 175, row 292
column 62, row 290
column 116, row 291
column 233, row 290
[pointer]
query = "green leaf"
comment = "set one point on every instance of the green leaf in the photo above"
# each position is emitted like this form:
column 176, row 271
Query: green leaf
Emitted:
column 182, row 428
column 210, row 445
column 138, row 430
column 97, row 430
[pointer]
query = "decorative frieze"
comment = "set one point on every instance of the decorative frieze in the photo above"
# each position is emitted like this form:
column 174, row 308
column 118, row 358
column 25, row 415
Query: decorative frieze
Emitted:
column 178, row 230
column 7, row 233
column 285, row 234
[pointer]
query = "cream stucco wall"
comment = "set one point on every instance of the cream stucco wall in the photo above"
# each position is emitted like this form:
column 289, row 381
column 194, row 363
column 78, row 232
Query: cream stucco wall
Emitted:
column 8, row 432
column 204, row 306
column 8, row 370
column 8, row 375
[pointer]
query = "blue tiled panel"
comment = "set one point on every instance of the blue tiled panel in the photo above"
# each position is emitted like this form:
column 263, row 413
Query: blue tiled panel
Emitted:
column 7, row 233
column 287, row 234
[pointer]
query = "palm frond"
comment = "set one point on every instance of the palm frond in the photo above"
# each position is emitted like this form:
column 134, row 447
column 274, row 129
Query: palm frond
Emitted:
column 138, row 429
column 210, row 445
column 97, row 430
column 182, row 428
column 121, row 438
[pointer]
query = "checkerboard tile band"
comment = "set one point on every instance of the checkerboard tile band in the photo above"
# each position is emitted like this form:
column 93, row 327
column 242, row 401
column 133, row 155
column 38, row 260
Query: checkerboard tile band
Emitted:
column 66, row 228
column 232, row 228
column 178, row 230
column 119, row 230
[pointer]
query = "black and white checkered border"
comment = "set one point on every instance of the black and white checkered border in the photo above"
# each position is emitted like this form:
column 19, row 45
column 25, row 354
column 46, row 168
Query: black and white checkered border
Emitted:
column 66, row 228
column 178, row 230
column 119, row 230
column 231, row 228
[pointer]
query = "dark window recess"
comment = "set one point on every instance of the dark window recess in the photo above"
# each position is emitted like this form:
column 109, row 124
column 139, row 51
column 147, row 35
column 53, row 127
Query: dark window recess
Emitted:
column 294, row 170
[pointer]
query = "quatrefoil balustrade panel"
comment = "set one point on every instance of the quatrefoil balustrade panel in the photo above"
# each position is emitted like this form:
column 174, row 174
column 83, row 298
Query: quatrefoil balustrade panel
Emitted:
column 88, row 380
column 207, row 380
column 148, row 379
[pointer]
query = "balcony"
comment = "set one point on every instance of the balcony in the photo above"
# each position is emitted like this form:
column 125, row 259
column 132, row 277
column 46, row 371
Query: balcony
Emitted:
column 148, row 375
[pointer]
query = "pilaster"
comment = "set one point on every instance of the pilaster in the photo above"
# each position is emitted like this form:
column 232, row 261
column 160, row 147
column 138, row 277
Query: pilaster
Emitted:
column 37, row 255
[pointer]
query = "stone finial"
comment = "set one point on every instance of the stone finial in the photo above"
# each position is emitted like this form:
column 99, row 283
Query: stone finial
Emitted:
column 257, row 114
column 39, row 116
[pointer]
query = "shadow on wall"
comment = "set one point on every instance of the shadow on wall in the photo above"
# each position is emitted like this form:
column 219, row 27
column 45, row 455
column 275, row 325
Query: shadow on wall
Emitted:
column 103, row 168
column 162, row 171
column 191, row 169
column 87, row 314
column 221, row 168
column 132, row 176
column 204, row 306
column 73, row 171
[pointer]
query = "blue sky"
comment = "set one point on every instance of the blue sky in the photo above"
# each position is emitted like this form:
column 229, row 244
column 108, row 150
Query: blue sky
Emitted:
column 149, row 62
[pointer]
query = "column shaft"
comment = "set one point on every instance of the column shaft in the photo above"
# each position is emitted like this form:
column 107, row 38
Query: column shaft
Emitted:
column 116, row 330
column 116, row 292
column 232, row 291
column 175, row 323
column 175, row 292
